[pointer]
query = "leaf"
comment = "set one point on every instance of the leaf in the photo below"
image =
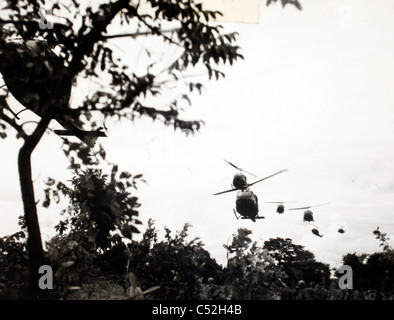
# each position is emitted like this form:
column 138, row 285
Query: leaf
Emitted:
column 126, row 232
column 124, row 175
column 50, row 182
column 134, row 229
column 46, row 203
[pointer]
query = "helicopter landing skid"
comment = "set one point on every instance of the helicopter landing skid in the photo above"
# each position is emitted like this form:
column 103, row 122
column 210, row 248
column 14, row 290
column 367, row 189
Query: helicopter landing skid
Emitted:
column 238, row 217
column 235, row 213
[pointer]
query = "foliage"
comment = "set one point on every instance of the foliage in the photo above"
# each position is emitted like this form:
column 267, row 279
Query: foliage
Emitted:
column 374, row 271
column 383, row 238
column 81, row 39
column 179, row 266
column 380, row 269
column 13, row 265
column 284, row 251
column 297, row 263
column 71, row 262
column 99, row 203
column 250, row 271
column 295, row 3
column 81, row 34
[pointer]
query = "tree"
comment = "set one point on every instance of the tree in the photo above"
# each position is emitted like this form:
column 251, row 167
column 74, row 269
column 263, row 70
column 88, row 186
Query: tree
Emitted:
column 285, row 251
column 13, row 260
column 251, row 272
column 373, row 271
column 295, row 3
column 179, row 266
column 82, row 36
column 381, row 265
column 298, row 263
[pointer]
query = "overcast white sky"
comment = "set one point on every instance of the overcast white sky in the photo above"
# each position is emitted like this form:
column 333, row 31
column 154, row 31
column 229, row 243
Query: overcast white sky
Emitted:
column 313, row 95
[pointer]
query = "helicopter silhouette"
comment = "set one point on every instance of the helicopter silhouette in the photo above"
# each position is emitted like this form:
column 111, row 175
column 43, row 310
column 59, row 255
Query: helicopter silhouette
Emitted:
column 308, row 214
column 315, row 231
column 341, row 230
column 246, row 202
column 280, row 208
column 247, row 206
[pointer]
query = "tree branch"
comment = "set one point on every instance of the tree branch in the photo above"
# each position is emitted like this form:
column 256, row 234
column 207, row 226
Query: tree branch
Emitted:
column 156, row 31
column 136, row 34
column 87, row 41
column 12, row 123
column 32, row 140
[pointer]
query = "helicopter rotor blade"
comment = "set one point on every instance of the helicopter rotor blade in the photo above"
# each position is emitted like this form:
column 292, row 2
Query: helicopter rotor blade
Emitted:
column 233, row 165
column 251, row 184
column 321, row 204
column 281, row 202
column 215, row 194
column 300, row 208
column 308, row 207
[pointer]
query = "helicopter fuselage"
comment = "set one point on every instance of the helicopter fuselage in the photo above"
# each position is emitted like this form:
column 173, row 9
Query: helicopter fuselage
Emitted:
column 247, row 205
column 280, row 208
column 308, row 215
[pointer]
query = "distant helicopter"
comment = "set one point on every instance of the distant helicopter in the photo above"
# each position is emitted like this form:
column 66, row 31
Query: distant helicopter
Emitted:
column 246, row 202
column 280, row 208
column 308, row 214
column 315, row 231
column 341, row 230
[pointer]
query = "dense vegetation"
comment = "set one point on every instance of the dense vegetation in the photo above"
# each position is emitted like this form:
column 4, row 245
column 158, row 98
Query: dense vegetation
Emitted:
column 178, row 267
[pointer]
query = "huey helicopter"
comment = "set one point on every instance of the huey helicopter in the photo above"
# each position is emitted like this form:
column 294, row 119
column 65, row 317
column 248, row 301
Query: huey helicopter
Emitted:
column 308, row 214
column 315, row 231
column 280, row 208
column 246, row 202
column 247, row 206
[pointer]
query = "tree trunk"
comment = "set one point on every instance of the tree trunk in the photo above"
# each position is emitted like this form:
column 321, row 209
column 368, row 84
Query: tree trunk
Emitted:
column 34, row 243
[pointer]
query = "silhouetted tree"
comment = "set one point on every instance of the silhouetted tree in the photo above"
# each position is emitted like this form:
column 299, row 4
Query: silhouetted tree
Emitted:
column 178, row 265
column 373, row 271
column 82, row 36
column 297, row 262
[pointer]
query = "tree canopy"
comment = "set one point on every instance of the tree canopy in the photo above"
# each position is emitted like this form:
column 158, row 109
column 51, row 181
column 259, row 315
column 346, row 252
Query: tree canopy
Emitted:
column 47, row 47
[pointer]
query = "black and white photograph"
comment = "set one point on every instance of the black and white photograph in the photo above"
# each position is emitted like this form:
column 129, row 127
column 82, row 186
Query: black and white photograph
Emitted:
column 213, row 151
